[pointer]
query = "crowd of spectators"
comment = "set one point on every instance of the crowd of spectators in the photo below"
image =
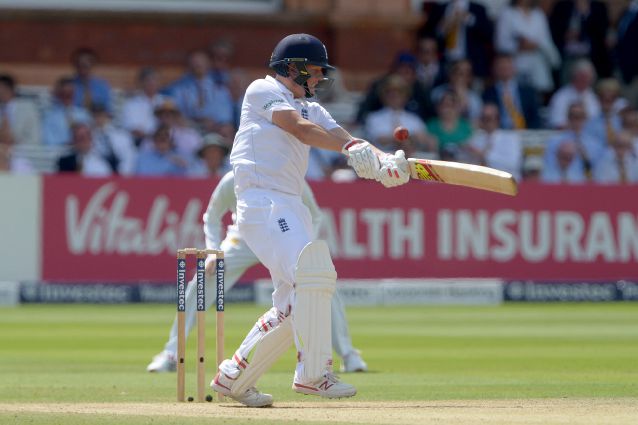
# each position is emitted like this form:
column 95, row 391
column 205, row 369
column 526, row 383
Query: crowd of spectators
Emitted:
column 183, row 129
column 472, row 82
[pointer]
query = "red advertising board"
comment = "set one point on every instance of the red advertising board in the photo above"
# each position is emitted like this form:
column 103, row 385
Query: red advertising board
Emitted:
column 129, row 229
column 119, row 229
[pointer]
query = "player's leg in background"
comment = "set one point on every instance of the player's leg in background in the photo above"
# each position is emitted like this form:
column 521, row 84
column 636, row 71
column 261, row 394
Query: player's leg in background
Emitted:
column 237, row 257
column 351, row 360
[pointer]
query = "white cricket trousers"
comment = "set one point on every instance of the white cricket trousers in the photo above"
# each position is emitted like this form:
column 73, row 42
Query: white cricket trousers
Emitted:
column 276, row 227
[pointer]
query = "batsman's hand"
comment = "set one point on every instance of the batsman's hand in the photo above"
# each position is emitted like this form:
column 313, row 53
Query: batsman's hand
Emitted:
column 395, row 170
column 362, row 158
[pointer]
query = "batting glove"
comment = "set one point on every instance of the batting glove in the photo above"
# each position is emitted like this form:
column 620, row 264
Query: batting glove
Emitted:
column 394, row 170
column 362, row 159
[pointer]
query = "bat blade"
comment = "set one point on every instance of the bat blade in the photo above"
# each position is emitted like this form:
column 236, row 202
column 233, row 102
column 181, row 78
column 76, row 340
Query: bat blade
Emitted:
column 469, row 175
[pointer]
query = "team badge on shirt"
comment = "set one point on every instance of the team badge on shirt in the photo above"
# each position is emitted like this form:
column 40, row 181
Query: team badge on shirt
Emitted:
column 304, row 113
column 283, row 225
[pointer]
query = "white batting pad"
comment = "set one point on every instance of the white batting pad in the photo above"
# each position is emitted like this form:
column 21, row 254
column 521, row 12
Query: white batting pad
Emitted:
column 269, row 348
column 315, row 278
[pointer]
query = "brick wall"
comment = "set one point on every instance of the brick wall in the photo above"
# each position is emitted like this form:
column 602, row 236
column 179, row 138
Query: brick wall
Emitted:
column 362, row 37
column 36, row 46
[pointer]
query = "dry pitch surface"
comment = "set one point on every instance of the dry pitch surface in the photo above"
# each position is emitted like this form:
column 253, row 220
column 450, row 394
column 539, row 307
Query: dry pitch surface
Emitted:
column 463, row 412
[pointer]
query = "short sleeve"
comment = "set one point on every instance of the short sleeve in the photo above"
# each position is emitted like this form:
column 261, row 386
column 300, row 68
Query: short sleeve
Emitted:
column 265, row 99
column 321, row 117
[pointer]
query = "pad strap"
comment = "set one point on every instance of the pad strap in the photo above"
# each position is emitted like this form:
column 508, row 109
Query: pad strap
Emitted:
column 269, row 348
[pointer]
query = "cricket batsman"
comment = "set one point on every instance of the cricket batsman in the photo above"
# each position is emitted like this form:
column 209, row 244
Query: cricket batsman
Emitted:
column 279, row 123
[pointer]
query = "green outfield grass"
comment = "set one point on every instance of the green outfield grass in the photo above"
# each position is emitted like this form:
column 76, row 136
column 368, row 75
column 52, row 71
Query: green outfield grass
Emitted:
column 97, row 353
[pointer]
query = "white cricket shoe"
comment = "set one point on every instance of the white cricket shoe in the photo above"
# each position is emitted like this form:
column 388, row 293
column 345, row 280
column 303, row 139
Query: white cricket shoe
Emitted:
column 163, row 362
column 352, row 362
column 328, row 386
column 222, row 383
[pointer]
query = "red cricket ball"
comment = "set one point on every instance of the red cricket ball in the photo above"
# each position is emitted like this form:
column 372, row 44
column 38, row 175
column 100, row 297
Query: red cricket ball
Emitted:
column 401, row 133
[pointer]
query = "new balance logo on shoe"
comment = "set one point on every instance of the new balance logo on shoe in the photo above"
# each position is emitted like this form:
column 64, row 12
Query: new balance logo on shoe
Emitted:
column 325, row 385
column 330, row 387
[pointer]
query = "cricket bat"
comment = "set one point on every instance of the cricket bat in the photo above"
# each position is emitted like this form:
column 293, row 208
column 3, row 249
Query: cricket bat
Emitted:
column 469, row 175
column 475, row 176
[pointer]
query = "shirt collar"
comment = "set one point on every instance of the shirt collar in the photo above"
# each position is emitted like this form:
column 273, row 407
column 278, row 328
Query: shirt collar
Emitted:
column 281, row 86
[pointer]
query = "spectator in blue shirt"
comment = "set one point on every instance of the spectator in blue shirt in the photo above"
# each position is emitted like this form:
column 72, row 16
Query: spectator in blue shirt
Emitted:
column 61, row 114
column 161, row 159
column 589, row 148
column 604, row 126
column 565, row 166
column 89, row 90
column 618, row 163
column 207, row 103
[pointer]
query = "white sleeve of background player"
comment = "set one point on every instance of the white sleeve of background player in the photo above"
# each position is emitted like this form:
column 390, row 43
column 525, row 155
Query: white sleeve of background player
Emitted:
column 266, row 99
column 221, row 201
column 308, row 198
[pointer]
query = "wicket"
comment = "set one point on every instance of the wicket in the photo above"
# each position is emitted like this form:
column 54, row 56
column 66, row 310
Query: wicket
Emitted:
column 200, row 255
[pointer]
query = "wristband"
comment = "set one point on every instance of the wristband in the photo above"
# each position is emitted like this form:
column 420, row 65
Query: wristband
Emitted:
column 348, row 145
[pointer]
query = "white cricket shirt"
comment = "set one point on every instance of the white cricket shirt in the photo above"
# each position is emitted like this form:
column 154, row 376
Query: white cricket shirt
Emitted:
column 265, row 156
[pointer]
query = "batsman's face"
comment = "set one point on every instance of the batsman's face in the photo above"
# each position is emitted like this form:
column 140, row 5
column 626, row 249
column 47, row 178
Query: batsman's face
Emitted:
column 316, row 75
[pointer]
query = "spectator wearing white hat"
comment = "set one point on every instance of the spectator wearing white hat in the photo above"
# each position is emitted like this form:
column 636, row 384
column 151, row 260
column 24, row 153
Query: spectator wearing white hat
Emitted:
column 186, row 139
column 213, row 157
column 532, row 168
